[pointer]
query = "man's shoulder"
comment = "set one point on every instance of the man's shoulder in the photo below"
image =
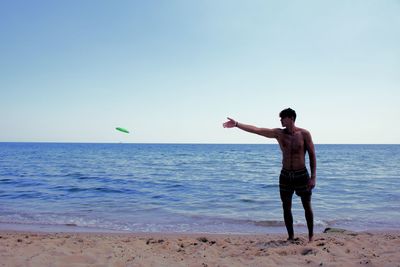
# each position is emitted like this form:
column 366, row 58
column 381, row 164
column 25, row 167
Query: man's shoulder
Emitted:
column 278, row 130
column 303, row 131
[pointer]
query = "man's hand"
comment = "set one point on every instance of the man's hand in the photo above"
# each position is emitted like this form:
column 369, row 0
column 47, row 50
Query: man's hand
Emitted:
column 311, row 184
column 230, row 123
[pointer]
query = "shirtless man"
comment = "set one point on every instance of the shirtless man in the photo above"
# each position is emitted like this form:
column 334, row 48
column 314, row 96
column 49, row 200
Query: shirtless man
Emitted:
column 294, row 143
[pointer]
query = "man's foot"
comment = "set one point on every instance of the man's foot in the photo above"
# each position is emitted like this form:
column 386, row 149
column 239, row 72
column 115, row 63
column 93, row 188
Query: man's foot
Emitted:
column 293, row 240
column 310, row 239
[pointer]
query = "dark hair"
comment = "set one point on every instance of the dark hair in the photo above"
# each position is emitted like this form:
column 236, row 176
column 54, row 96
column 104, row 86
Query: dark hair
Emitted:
column 288, row 113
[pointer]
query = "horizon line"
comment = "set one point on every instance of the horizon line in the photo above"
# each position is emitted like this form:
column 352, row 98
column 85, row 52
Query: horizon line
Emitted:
column 177, row 143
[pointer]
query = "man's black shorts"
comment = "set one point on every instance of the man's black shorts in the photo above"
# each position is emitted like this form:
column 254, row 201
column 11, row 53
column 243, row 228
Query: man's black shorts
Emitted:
column 295, row 181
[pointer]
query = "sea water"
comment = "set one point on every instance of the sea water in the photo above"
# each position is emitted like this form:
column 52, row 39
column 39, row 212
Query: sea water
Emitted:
column 212, row 188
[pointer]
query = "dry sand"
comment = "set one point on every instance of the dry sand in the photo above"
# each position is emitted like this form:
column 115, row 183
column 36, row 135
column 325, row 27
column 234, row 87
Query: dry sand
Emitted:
column 336, row 248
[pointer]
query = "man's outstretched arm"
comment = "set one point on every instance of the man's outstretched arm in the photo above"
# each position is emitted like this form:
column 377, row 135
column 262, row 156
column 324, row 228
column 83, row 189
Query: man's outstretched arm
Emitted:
column 270, row 133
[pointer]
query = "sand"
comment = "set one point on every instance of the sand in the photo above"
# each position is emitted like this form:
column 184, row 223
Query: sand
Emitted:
column 334, row 248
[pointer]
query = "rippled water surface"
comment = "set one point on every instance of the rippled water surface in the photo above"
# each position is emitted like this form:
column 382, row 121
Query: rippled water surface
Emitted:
column 195, row 188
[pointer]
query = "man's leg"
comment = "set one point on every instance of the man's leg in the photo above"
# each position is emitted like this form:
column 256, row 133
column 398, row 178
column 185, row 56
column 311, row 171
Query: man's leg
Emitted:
column 286, row 198
column 308, row 212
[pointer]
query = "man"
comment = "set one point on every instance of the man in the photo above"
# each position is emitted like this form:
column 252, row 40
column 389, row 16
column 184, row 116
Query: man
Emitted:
column 294, row 143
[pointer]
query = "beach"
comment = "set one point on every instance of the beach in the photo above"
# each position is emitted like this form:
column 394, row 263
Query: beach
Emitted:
column 332, row 248
column 193, row 205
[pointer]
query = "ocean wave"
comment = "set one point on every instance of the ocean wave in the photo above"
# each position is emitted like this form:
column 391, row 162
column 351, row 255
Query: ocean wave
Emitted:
column 6, row 181
column 95, row 190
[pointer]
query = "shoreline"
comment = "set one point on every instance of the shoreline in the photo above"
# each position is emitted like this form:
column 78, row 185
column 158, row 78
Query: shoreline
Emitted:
column 337, row 247
column 72, row 228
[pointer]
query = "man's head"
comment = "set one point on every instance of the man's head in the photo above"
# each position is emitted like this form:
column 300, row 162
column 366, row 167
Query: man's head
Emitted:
column 288, row 113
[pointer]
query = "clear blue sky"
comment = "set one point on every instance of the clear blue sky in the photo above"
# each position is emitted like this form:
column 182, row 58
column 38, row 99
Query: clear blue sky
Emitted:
column 172, row 71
